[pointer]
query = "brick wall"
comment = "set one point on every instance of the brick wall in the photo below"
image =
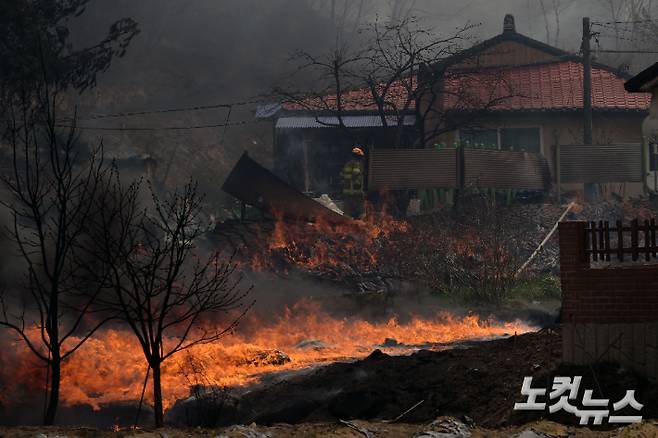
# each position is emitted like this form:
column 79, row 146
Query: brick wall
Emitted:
column 617, row 294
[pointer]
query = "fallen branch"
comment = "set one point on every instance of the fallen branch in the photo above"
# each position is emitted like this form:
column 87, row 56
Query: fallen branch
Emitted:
column 404, row 413
column 361, row 430
column 546, row 239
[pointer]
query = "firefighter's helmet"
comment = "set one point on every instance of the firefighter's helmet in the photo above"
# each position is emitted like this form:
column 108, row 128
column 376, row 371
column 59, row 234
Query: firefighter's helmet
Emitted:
column 357, row 151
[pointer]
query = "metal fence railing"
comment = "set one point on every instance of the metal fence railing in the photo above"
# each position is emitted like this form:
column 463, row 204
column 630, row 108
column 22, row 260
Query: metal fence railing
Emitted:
column 604, row 241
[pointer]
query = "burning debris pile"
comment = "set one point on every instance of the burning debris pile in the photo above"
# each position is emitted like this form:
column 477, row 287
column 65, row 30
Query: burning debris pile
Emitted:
column 478, row 247
column 303, row 234
column 349, row 253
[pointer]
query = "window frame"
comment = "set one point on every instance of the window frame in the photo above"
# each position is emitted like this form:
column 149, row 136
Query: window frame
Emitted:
column 499, row 129
column 497, row 134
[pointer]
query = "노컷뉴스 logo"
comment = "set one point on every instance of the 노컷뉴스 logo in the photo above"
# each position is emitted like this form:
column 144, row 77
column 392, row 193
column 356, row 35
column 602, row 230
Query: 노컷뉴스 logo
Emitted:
column 564, row 397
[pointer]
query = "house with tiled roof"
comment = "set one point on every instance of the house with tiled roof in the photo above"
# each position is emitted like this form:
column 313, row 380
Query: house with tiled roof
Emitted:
column 541, row 96
column 509, row 92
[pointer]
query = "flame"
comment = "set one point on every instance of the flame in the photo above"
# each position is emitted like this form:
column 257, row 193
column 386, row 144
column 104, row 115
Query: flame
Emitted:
column 325, row 247
column 110, row 366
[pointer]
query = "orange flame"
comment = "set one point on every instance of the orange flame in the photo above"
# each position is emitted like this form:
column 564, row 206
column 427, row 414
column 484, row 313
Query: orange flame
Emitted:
column 110, row 367
column 322, row 246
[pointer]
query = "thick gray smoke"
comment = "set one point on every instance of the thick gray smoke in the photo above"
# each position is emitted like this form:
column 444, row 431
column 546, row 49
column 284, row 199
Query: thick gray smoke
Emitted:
column 203, row 52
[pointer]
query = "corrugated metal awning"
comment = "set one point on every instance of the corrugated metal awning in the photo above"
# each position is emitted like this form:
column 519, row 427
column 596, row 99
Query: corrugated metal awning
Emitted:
column 369, row 121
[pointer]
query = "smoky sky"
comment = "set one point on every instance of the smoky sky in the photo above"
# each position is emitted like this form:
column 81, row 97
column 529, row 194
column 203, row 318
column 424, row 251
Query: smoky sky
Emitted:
column 207, row 49
column 203, row 52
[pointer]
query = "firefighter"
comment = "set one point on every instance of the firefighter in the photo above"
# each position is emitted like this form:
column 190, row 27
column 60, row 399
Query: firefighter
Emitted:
column 352, row 176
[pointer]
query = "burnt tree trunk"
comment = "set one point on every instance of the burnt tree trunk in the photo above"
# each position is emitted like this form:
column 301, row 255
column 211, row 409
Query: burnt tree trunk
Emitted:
column 55, row 377
column 157, row 395
column 55, row 361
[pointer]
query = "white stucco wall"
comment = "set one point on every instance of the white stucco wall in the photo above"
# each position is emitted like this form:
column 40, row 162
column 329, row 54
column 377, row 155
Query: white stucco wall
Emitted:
column 650, row 136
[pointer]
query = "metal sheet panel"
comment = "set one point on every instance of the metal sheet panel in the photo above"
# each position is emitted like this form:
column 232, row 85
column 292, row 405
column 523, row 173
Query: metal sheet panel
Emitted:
column 368, row 121
column 399, row 169
column 255, row 185
column 505, row 170
column 267, row 110
column 601, row 163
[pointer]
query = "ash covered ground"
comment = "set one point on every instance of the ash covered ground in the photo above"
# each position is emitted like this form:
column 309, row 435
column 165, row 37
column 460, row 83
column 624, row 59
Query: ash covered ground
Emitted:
column 480, row 381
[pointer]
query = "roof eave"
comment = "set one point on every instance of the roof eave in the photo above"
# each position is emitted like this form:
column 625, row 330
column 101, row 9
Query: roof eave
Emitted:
column 563, row 55
column 325, row 112
column 643, row 82
column 554, row 110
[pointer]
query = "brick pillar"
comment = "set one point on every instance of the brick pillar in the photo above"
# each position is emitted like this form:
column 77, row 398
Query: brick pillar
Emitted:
column 572, row 262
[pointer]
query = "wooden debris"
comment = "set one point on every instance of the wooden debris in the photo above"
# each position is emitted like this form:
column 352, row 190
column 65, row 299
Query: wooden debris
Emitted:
column 404, row 413
column 546, row 239
column 363, row 431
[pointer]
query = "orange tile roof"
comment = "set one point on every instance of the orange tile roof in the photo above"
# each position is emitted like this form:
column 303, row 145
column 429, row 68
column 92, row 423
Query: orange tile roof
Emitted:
column 554, row 86
column 538, row 87
column 357, row 100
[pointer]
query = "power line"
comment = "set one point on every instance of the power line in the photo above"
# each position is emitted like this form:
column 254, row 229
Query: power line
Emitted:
column 626, row 22
column 172, row 110
column 629, row 51
column 640, row 29
column 642, row 39
column 159, row 128
column 226, row 122
column 640, row 33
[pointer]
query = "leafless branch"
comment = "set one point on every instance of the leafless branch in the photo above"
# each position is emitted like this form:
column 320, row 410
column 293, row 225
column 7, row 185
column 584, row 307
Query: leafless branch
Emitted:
column 163, row 289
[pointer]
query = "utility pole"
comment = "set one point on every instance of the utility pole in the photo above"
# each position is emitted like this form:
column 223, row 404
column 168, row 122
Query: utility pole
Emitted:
column 590, row 188
column 587, row 81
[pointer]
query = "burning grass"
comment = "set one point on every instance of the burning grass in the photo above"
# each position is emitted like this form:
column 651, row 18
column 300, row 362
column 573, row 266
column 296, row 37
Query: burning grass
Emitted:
column 110, row 367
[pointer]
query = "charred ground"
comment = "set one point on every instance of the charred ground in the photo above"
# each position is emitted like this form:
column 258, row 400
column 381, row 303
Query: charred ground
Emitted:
column 478, row 383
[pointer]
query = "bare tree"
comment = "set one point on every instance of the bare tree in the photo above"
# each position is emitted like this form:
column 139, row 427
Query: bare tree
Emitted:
column 546, row 21
column 345, row 15
column 411, row 71
column 393, row 66
column 400, row 10
column 631, row 27
column 163, row 289
column 51, row 178
column 552, row 12
column 51, row 183
column 334, row 72
column 402, row 70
